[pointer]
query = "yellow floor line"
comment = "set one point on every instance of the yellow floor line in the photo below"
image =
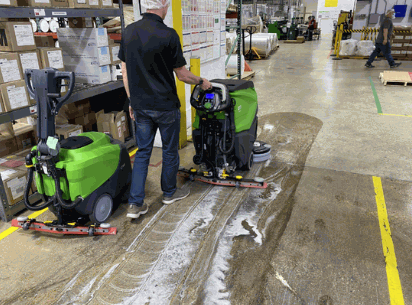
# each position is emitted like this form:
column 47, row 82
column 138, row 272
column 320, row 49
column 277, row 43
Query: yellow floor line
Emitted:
column 7, row 232
column 394, row 282
column 408, row 116
column 133, row 152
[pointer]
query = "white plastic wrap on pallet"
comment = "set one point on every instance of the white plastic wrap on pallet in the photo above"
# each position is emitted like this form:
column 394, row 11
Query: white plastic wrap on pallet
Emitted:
column 348, row 47
column 231, row 67
column 365, row 48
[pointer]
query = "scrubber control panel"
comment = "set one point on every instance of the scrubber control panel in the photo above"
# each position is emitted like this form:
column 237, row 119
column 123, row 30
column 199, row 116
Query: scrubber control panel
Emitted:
column 213, row 100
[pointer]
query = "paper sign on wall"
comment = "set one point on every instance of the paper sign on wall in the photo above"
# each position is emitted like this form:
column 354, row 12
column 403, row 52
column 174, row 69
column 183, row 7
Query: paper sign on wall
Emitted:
column 331, row 3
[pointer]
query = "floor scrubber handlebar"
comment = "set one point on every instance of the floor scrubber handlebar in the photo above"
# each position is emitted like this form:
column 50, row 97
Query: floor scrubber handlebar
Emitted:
column 44, row 86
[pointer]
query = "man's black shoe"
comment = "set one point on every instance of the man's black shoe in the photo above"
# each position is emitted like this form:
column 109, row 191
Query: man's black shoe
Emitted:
column 395, row 65
column 369, row 66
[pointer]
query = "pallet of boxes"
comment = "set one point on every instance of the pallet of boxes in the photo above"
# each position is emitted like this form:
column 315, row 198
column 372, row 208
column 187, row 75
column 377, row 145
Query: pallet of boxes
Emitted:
column 17, row 52
column 402, row 43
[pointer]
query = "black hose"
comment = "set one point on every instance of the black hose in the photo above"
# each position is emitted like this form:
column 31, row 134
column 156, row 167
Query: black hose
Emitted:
column 233, row 132
column 27, row 193
column 65, row 204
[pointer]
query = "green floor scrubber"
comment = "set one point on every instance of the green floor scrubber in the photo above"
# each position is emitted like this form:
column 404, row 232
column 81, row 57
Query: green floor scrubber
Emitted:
column 80, row 178
column 224, row 134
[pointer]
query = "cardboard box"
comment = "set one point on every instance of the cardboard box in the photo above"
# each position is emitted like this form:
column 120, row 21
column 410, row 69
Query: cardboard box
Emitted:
column 8, row 145
column 82, row 22
column 14, row 182
column 2, row 108
column 87, row 56
column 114, row 52
column 90, row 74
column 35, row 3
column 18, row 36
column 81, row 38
column 44, row 41
column 10, row 69
column 15, row 95
column 107, row 3
column 71, row 111
column 24, row 136
column 112, row 123
column 68, row 130
column 52, row 57
column 29, row 60
column 78, row 3
column 8, row 3
column 88, row 121
column 60, row 3
column 6, row 129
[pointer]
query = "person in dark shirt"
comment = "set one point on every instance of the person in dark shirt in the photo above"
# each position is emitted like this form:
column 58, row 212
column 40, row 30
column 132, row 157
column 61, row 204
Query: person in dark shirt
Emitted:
column 382, row 42
column 311, row 27
column 150, row 53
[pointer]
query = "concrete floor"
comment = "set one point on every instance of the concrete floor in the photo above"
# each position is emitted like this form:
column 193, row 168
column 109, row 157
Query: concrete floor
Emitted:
column 311, row 237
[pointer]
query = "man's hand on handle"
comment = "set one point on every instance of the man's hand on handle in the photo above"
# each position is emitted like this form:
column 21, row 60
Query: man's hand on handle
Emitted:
column 206, row 85
column 385, row 42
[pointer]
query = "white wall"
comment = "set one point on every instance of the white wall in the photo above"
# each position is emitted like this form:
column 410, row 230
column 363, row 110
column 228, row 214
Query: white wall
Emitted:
column 326, row 24
column 311, row 5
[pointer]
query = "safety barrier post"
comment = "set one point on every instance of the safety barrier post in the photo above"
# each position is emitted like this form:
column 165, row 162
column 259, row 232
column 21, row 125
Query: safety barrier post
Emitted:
column 180, row 86
column 195, row 69
column 337, row 42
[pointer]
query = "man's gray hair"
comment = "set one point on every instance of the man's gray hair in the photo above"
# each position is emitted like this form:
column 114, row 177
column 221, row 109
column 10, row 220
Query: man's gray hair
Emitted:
column 390, row 11
column 155, row 4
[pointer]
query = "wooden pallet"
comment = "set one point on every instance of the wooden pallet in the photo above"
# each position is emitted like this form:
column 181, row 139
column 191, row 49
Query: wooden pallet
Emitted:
column 397, row 77
column 247, row 75
column 293, row 41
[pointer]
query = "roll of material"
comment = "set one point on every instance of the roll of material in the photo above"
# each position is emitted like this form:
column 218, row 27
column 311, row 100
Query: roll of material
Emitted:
column 272, row 36
column 231, row 67
column 44, row 26
column 34, row 25
column 261, row 43
column 54, row 25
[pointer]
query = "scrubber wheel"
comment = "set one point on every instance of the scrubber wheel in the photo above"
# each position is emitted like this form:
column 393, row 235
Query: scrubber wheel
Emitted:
column 102, row 210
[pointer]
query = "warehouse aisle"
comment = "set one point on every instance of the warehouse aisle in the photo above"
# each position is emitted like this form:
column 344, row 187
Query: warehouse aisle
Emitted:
column 312, row 237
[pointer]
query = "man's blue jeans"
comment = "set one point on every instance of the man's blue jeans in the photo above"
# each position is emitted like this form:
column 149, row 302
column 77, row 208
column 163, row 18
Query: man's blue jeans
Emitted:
column 386, row 50
column 147, row 122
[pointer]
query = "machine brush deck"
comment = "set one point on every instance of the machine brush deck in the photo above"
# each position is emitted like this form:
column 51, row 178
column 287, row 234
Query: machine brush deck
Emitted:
column 32, row 224
column 229, row 181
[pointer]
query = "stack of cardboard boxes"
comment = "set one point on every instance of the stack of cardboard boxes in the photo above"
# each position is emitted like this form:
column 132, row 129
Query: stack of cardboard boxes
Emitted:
column 86, row 52
column 402, row 43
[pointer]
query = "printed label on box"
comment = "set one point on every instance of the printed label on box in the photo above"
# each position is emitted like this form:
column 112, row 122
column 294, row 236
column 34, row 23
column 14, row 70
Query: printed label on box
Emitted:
column 107, row 2
column 100, row 32
column 398, row 45
column 81, row 1
column 93, row 2
column 4, row 2
column 38, row 12
column 17, row 96
column 9, row 70
column 42, row 1
column 75, row 133
column 115, row 53
column 16, row 187
column 29, row 61
column 24, row 35
column 55, row 59
column 6, row 174
column 104, row 69
column 399, row 37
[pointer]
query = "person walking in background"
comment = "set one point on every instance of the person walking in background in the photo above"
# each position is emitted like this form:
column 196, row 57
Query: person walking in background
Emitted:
column 311, row 27
column 150, row 52
column 382, row 42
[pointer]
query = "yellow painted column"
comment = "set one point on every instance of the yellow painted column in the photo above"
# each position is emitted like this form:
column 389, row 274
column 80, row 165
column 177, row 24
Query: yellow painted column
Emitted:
column 195, row 69
column 178, row 26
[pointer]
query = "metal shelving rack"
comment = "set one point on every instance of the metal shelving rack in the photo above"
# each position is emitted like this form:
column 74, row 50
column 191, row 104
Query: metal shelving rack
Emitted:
column 238, row 39
column 82, row 91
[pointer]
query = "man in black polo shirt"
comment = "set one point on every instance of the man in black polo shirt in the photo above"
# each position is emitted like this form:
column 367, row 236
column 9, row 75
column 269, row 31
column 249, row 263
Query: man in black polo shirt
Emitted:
column 150, row 52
